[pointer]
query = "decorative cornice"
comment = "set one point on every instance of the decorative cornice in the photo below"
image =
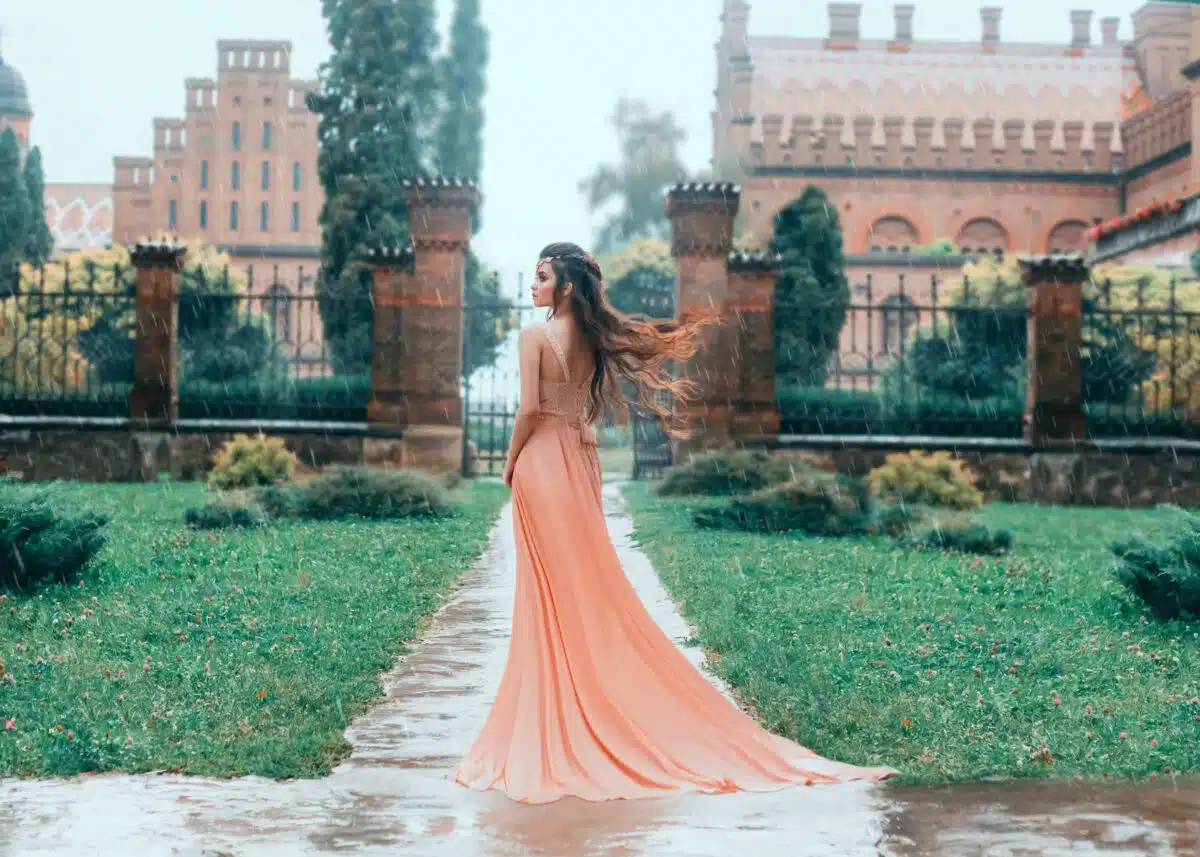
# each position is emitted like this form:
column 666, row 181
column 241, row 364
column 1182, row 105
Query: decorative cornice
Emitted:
column 744, row 261
column 442, row 192
column 1067, row 268
column 844, row 171
column 158, row 254
column 700, row 196
column 391, row 256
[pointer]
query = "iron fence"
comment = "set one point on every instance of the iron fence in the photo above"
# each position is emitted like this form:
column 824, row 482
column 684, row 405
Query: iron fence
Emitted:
column 255, row 346
column 952, row 361
column 66, row 340
column 250, row 347
column 925, row 361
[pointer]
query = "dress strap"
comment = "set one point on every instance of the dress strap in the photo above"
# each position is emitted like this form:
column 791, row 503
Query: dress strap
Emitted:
column 558, row 352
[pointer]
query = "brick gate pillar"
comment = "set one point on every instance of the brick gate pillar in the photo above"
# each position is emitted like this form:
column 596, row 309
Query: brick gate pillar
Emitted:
column 701, row 239
column 751, row 307
column 154, row 402
column 1054, row 408
column 417, row 358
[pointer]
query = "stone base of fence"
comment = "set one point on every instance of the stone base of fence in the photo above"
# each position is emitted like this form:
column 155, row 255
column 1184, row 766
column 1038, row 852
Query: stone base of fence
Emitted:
column 118, row 453
column 1124, row 473
column 436, row 449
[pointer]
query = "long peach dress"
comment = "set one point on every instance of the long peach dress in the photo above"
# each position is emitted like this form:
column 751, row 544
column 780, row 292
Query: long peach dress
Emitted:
column 595, row 701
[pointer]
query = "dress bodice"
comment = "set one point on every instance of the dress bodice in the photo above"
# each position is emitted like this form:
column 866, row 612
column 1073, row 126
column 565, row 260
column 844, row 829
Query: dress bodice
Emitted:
column 567, row 399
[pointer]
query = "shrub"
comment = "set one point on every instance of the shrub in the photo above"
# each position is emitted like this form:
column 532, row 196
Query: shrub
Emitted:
column 43, row 540
column 812, row 502
column 722, row 472
column 248, row 460
column 364, row 492
column 899, row 520
column 935, row 479
column 965, row 538
column 278, row 501
column 223, row 515
column 1166, row 577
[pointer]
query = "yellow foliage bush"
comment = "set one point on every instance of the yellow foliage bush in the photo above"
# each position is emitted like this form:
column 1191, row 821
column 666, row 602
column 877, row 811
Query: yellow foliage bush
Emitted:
column 247, row 461
column 638, row 253
column 925, row 479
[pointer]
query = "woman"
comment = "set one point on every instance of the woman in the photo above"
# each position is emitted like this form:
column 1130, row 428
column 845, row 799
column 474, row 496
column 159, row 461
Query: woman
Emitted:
column 596, row 702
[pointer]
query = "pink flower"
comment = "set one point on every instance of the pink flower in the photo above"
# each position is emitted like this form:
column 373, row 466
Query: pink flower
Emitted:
column 1154, row 742
column 146, row 667
column 10, row 724
column 1124, row 735
column 1057, row 701
column 1124, row 633
column 121, row 674
column 206, row 667
column 1088, row 709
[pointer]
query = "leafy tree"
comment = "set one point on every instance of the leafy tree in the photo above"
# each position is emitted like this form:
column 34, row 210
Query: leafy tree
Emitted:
column 649, row 164
column 811, row 294
column 39, row 243
column 640, row 277
column 16, row 212
column 377, row 112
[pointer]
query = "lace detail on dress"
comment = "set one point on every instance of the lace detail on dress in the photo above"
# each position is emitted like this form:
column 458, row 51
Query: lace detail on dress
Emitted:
column 565, row 399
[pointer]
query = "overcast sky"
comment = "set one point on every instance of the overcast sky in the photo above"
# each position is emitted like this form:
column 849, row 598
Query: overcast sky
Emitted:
column 99, row 72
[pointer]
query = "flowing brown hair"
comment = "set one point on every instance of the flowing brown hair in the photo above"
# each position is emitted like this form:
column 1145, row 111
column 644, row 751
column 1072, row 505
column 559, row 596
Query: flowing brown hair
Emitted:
column 638, row 349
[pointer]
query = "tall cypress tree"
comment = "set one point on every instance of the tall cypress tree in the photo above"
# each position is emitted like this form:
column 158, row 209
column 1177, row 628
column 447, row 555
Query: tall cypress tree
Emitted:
column 463, row 73
column 16, row 213
column 812, row 294
column 464, row 83
column 377, row 112
column 39, row 243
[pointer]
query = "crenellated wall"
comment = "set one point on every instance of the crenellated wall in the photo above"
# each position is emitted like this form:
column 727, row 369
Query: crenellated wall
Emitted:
column 896, row 142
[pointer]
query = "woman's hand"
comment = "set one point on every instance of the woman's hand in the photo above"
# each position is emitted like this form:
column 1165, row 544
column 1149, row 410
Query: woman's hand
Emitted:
column 508, row 473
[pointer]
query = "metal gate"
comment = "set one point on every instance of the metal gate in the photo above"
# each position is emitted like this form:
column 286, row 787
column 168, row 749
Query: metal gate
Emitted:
column 491, row 382
column 650, row 292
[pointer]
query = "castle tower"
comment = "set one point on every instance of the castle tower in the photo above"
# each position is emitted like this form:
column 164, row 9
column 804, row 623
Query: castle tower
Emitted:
column 15, row 110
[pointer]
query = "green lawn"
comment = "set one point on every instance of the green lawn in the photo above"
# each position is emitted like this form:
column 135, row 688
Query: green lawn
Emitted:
column 948, row 668
column 237, row 652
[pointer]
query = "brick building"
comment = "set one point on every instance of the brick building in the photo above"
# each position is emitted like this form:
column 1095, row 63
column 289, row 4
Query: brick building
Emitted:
column 994, row 146
column 238, row 170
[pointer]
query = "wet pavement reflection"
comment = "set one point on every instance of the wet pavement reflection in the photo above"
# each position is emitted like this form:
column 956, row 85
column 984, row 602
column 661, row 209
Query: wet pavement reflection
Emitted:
column 392, row 796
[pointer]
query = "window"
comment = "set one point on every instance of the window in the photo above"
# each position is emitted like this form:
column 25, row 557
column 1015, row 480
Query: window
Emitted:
column 295, row 217
column 237, row 135
column 204, row 175
column 264, row 216
column 173, row 215
column 266, row 135
column 203, row 214
column 296, row 176
column 236, row 177
column 233, row 215
column 266, row 175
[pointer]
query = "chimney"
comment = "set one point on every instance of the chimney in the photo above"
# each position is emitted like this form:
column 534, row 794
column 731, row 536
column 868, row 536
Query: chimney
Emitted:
column 1081, row 28
column 991, row 24
column 1109, row 27
column 843, row 21
column 904, row 19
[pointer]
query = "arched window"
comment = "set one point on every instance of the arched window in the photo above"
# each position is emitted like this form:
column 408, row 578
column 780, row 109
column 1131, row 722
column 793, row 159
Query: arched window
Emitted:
column 1067, row 237
column 897, row 317
column 892, row 234
column 278, row 302
column 984, row 235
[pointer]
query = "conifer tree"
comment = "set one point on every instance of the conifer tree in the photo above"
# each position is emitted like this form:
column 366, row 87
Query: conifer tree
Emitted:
column 39, row 243
column 16, row 213
column 377, row 113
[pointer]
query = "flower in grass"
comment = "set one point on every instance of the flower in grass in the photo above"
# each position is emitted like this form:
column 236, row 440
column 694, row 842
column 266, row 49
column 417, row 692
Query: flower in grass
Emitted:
column 1057, row 701
column 10, row 724
column 1153, row 742
column 1124, row 633
column 121, row 674
column 1124, row 735
column 1087, row 709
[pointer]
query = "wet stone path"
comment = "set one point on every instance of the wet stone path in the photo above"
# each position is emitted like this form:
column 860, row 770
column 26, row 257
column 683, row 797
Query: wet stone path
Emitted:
column 391, row 797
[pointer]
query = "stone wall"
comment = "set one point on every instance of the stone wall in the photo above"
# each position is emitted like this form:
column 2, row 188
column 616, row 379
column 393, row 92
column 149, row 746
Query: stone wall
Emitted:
column 124, row 455
column 1109, row 474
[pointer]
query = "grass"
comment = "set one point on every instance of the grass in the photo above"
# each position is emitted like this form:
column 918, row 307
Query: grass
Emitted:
column 232, row 653
column 947, row 668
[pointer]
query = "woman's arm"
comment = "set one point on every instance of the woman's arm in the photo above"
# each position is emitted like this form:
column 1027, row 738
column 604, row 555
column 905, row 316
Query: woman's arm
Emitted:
column 530, row 406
